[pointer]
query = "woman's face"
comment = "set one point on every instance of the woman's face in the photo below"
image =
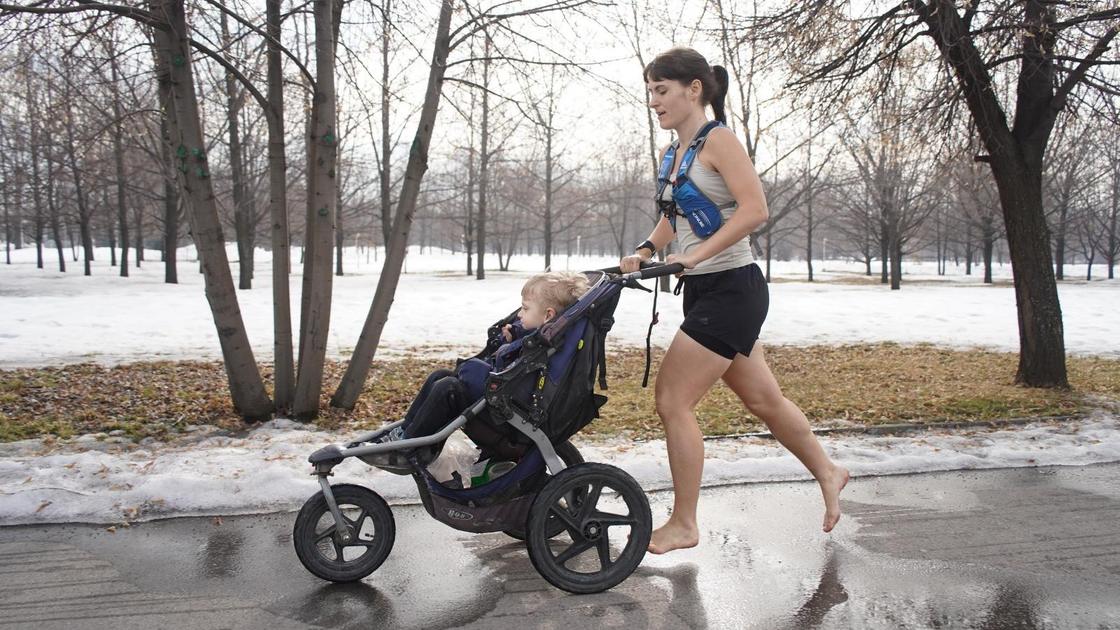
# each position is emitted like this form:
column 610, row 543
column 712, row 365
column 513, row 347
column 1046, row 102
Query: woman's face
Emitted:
column 672, row 101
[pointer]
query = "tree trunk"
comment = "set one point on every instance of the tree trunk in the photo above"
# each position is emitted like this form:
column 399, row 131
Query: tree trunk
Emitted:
column 53, row 210
column 483, row 165
column 968, row 249
column 170, row 192
column 548, row 192
column 896, row 262
column 386, row 139
column 987, row 242
column 36, row 181
column 884, row 250
column 173, row 54
column 84, row 213
column 1041, row 333
column 110, row 232
column 284, row 368
column 1060, row 242
column 321, row 223
column 118, row 162
column 237, row 169
column 468, row 230
column 339, row 237
column 354, row 380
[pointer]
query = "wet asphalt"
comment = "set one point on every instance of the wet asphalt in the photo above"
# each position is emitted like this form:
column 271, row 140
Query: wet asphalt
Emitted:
column 1019, row 548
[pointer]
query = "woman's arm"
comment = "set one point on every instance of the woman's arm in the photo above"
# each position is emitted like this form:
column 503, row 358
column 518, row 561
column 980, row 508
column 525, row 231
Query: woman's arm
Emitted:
column 730, row 160
column 661, row 236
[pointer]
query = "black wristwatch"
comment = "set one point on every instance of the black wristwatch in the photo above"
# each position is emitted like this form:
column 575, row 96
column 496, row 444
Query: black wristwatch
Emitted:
column 647, row 244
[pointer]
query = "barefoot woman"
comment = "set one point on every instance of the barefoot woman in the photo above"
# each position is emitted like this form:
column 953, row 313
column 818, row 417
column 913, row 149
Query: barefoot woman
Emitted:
column 725, row 293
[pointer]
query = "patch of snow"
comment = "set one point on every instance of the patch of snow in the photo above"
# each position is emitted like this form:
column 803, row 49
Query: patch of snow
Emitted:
column 267, row 469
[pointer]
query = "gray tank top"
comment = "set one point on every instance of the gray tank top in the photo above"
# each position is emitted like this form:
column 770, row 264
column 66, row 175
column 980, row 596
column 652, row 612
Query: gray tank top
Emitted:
column 737, row 254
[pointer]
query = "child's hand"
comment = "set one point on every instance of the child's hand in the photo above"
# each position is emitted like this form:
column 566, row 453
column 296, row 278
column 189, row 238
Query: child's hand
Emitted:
column 507, row 332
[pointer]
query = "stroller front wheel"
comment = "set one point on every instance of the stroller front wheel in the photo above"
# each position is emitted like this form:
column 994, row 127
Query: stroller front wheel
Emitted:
column 604, row 536
column 325, row 553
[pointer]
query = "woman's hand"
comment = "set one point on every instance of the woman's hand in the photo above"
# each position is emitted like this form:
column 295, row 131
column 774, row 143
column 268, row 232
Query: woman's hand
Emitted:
column 631, row 263
column 683, row 259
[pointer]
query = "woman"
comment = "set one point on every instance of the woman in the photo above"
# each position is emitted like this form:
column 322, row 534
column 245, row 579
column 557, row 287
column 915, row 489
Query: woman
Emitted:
column 725, row 293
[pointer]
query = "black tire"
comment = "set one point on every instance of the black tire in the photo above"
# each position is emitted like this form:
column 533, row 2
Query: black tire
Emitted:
column 372, row 527
column 586, row 527
column 570, row 455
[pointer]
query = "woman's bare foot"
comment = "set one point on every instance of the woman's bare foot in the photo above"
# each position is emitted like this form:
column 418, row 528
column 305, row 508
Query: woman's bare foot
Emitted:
column 672, row 536
column 830, row 488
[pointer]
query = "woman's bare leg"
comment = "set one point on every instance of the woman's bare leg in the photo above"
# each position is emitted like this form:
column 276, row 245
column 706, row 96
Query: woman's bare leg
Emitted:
column 750, row 378
column 687, row 372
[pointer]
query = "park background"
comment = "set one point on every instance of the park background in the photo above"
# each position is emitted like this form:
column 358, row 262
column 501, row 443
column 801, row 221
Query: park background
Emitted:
column 380, row 201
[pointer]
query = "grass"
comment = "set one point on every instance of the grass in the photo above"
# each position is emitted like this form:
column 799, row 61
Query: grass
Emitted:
column 863, row 384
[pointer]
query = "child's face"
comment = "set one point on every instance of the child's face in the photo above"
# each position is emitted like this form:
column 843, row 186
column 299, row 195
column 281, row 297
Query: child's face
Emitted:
column 534, row 313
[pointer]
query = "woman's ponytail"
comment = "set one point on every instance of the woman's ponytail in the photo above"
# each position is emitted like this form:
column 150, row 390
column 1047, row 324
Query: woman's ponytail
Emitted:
column 720, row 94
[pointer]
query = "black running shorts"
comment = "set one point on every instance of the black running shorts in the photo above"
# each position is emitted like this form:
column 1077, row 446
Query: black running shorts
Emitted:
column 724, row 311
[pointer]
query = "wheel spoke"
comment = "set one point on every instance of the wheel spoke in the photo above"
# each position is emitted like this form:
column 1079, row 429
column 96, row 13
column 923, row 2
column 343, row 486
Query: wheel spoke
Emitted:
column 327, row 534
column 606, row 518
column 356, row 524
column 604, row 552
column 572, row 526
column 574, row 550
column 338, row 552
column 590, row 501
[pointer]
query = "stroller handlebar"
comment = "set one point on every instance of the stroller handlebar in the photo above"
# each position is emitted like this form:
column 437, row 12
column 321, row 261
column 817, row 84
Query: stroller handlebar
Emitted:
column 648, row 270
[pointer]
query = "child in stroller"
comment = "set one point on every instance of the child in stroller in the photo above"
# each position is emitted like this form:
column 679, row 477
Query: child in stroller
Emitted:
column 586, row 525
column 446, row 393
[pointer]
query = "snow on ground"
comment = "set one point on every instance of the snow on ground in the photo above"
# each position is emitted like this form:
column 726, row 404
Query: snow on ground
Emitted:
column 109, row 481
column 48, row 317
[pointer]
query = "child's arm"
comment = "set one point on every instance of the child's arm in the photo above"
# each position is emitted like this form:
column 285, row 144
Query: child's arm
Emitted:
column 513, row 331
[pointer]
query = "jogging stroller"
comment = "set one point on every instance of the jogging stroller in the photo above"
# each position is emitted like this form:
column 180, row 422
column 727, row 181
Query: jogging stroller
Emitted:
column 586, row 525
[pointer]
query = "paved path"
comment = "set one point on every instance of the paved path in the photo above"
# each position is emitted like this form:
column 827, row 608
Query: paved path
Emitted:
column 1023, row 548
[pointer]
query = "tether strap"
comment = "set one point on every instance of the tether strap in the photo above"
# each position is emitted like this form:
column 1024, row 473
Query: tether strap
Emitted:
column 649, row 334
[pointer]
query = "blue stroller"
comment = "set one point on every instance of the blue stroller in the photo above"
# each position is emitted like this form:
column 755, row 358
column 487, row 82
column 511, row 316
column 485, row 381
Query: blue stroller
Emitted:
column 586, row 525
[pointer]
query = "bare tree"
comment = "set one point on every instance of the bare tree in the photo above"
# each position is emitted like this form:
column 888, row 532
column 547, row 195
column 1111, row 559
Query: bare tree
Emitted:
column 1059, row 50
column 446, row 40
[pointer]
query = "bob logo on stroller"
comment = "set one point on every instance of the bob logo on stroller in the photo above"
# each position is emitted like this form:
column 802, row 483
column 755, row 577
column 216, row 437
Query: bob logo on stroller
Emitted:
column 586, row 525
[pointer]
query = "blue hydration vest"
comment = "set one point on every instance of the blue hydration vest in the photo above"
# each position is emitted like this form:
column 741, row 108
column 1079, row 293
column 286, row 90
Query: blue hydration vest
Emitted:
column 688, row 200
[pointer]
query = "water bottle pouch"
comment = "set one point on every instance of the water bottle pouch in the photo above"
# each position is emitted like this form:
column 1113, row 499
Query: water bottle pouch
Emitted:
column 703, row 215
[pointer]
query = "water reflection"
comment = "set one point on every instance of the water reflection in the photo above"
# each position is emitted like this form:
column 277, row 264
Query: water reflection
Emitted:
column 1013, row 608
column 686, row 603
column 221, row 553
column 829, row 593
column 350, row 605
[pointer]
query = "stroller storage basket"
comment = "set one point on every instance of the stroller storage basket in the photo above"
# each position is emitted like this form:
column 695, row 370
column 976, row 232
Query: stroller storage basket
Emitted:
column 496, row 506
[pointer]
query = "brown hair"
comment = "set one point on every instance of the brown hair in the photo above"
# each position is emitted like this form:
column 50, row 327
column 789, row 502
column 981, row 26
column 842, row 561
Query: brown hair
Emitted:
column 685, row 65
column 557, row 289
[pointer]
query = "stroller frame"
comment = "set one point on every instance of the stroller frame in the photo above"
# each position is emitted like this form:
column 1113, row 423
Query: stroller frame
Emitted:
column 569, row 488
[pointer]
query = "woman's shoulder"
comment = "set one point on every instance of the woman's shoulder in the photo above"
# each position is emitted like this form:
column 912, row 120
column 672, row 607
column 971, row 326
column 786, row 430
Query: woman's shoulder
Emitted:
column 722, row 143
column 722, row 136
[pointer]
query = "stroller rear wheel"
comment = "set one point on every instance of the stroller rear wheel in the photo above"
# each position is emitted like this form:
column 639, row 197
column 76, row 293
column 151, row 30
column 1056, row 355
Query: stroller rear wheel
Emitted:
column 584, row 556
column 568, row 454
column 320, row 547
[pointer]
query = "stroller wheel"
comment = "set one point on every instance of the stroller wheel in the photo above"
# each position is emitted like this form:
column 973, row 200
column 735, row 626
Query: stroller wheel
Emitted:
column 568, row 454
column 321, row 549
column 604, row 535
